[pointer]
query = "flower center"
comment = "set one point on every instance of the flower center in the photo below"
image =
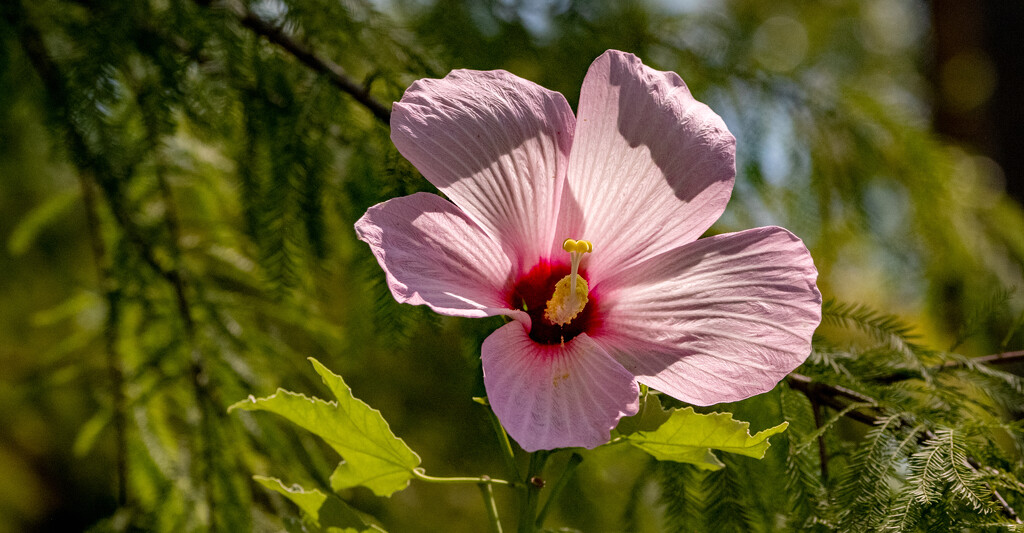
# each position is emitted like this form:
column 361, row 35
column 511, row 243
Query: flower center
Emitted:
column 570, row 296
column 547, row 289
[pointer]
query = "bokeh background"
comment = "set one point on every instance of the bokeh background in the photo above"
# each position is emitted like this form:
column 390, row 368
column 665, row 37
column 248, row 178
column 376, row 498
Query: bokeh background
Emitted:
column 178, row 188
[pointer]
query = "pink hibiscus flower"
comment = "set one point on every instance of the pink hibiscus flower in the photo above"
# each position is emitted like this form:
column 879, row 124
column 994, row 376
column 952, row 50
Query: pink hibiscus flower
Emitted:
column 640, row 173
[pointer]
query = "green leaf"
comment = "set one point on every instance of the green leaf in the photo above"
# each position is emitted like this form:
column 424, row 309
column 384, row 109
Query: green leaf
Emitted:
column 373, row 456
column 689, row 437
column 309, row 501
column 650, row 417
column 326, row 511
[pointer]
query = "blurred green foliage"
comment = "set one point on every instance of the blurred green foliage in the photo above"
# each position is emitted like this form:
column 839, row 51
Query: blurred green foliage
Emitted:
column 177, row 195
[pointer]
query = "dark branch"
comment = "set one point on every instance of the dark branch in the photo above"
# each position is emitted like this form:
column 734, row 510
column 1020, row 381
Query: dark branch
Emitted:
column 822, row 449
column 115, row 369
column 307, row 56
column 836, row 397
column 996, row 358
column 991, row 359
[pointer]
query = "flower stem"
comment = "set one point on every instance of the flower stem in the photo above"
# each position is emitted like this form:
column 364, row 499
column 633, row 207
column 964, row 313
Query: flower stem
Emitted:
column 482, row 480
column 492, row 507
column 570, row 467
column 531, row 492
column 507, row 453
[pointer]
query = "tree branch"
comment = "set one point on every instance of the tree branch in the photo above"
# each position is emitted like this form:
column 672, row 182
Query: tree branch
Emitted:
column 307, row 56
column 115, row 369
column 838, row 397
column 991, row 359
column 822, row 449
column 996, row 358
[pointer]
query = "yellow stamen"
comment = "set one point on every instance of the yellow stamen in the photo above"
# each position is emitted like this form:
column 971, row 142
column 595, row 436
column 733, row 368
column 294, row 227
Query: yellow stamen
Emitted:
column 580, row 247
column 570, row 296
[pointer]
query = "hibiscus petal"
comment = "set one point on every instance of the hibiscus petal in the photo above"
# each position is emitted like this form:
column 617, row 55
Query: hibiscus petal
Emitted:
column 651, row 168
column 433, row 254
column 717, row 320
column 555, row 396
column 496, row 145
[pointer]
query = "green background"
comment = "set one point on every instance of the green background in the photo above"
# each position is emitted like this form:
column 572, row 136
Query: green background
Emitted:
column 177, row 195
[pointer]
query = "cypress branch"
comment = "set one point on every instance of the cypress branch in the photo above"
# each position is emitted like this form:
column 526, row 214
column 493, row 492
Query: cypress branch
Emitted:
column 841, row 398
column 865, row 491
column 97, row 168
column 885, row 328
column 32, row 43
column 307, row 56
column 807, row 498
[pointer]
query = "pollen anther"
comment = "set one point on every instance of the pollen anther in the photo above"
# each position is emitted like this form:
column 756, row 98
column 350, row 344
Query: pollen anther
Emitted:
column 580, row 247
column 571, row 292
